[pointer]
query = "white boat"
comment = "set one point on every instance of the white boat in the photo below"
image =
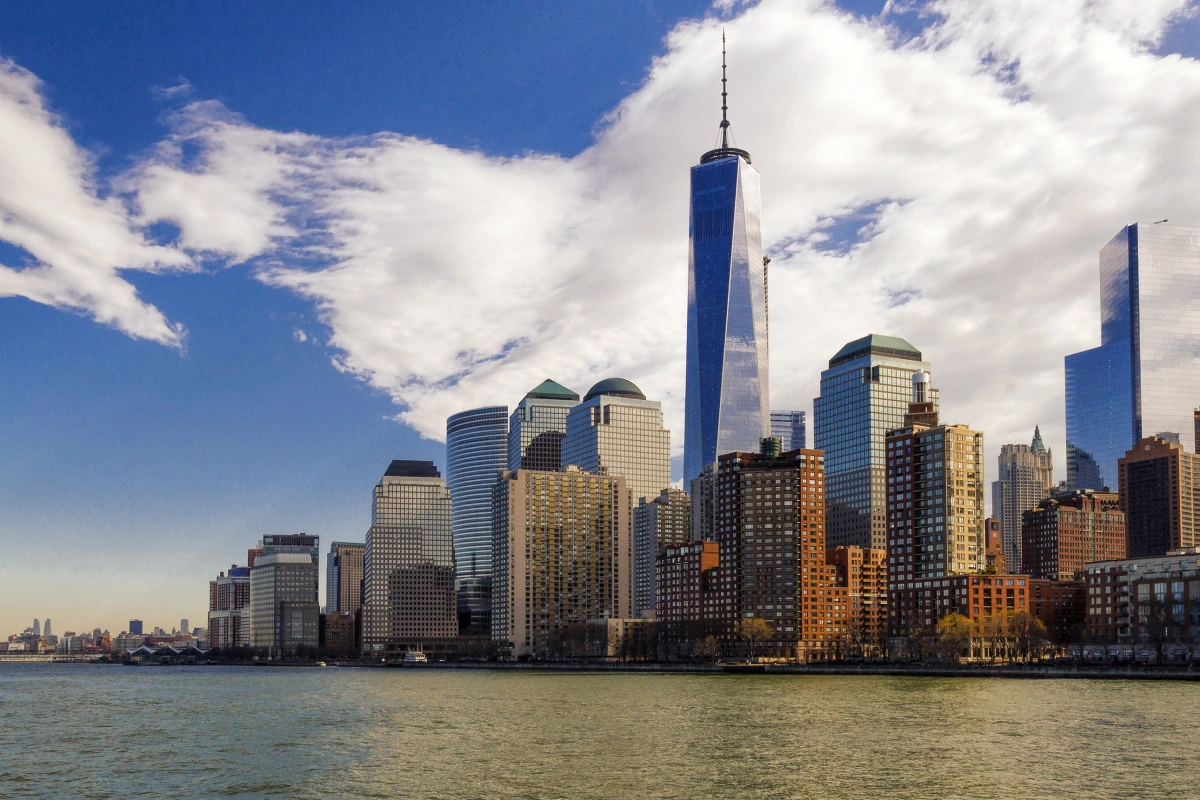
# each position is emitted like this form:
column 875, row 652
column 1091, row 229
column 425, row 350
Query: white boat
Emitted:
column 415, row 657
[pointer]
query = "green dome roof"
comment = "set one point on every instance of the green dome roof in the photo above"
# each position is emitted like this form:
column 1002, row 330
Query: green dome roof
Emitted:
column 878, row 345
column 615, row 387
column 549, row 390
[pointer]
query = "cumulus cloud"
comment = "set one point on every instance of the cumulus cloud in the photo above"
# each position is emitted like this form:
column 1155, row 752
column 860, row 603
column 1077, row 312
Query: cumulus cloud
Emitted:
column 75, row 241
column 951, row 187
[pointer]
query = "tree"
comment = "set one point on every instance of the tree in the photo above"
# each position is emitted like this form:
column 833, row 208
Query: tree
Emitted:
column 1028, row 635
column 754, row 631
column 954, row 635
column 706, row 649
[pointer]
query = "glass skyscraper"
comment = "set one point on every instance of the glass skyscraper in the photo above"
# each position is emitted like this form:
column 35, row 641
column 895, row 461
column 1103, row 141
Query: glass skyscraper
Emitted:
column 727, row 402
column 1144, row 378
column 865, row 394
column 476, row 454
column 788, row 428
column 537, row 426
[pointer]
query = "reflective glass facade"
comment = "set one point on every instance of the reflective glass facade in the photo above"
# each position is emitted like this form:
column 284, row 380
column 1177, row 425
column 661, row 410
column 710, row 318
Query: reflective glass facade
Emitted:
column 537, row 426
column 1143, row 379
column 865, row 394
column 620, row 436
column 788, row 428
column 727, row 407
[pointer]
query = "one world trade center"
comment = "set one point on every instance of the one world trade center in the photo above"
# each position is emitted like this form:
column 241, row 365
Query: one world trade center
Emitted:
column 727, row 405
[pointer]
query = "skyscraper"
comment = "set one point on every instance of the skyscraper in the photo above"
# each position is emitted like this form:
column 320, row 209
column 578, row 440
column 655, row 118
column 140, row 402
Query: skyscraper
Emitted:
column 865, row 394
column 343, row 577
column 658, row 523
column 476, row 454
column 46, row 628
column 537, row 426
column 788, row 428
column 228, row 612
column 1160, row 494
column 726, row 406
column 617, row 431
column 408, row 566
column 285, row 611
column 1144, row 378
column 1025, row 478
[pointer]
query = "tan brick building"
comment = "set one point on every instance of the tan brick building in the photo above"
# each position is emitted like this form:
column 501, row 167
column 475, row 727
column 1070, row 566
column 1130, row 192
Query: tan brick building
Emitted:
column 1068, row 531
column 1160, row 494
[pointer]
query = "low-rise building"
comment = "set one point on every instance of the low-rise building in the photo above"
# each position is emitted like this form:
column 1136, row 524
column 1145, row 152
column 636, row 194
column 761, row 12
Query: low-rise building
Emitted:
column 1144, row 601
column 1061, row 607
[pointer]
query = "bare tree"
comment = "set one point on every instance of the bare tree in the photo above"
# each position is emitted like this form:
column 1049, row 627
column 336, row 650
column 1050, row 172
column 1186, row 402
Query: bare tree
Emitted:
column 1028, row 635
column 754, row 631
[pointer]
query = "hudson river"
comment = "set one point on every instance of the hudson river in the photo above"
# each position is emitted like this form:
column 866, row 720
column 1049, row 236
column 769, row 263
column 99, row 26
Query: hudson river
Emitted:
column 112, row 731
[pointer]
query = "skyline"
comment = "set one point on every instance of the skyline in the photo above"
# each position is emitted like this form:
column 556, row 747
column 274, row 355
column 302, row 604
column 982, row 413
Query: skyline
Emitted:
column 893, row 267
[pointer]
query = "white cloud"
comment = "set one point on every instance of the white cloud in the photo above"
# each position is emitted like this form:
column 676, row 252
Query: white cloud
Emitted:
column 988, row 160
column 78, row 241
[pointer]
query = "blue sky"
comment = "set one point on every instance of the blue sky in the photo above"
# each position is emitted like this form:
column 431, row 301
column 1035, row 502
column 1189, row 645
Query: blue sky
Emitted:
column 131, row 470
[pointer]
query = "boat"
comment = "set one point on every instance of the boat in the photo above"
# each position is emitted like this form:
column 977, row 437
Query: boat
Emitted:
column 415, row 657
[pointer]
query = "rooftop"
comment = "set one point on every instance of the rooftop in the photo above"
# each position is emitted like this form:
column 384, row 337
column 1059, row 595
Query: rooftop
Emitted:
column 876, row 344
column 412, row 469
column 550, row 390
column 615, row 387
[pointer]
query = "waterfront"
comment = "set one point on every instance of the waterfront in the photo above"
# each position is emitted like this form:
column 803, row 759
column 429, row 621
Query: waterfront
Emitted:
column 112, row 731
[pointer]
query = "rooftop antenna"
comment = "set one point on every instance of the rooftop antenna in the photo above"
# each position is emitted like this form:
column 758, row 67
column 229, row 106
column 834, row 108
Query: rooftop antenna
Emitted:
column 724, row 95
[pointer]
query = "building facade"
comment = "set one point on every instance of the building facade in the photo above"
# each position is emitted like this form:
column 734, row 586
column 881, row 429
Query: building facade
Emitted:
column 537, row 426
column 1159, row 486
column 915, row 609
column 1068, row 531
column 1144, row 378
column 1025, row 477
column 285, row 609
column 788, row 427
column 343, row 576
column 864, row 574
column 617, row 431
column 865, row 394
column 408, row 569
column 229, row 599
column 562, row 547
column 658, row 523
column 727, row 402
column 1149, row 601
column 771, row 534
column 687, row 577
column 1062, row 608
column 476, row 454
column 703, row 511
column 993, row 547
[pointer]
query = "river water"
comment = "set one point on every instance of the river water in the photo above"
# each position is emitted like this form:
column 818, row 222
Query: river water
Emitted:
column 112, row 731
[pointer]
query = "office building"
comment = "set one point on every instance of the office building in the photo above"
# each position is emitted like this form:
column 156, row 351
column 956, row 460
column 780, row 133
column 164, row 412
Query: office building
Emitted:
column 1144, row 378
column 476, row 454
column 1068, row 531
column 771, row 533
column 135, row 627
column 865, row 394
column 537, row 426
column 46, row 629
column 228, row 604
column 658, row 523
column 727, row 400
column 864, row 574
column 408, row 567
column 562, row 555
column 617, row 431
column 703, row 505
column 1025, row 478
column 285, row 609
column 935, row 496
column 1160, row 494
column 1125, row 596
column 343, row 576
column 788, row 428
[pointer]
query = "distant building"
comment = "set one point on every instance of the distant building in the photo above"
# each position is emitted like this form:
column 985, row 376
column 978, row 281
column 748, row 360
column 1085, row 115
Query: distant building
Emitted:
column 659, row 523
column 617, row 431
column 1160, row 495
column 46, row 629
column 408, row 585
column 865, row 394
column 135, row 627
column 228, row 615
column 285, row 609
column 537, row 426
column 1025, row 478
column 476, row 454
column 703, row 505
column 562, row 546
column 1144, row 378
column 788, row 428
column 337, row 636
column 864, row 574
column 343, row 576
column 183, row 626
column 1063, row 534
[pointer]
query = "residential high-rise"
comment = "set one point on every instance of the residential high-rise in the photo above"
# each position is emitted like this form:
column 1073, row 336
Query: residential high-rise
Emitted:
column 788, row 428
column 408, row 565
column 537, row 426
column 658, row 523
column 228, row 614
column 1070, row 530
column 864, row 574
column 46, row 628
column 1144, row 378
column 1025, row 478
column 285, row 608
column 771, row 533
column 1160, row 494
column 993, row 547
column 561, row 551
column 865, row 394
column 617, row 431
column 686, row 577
column 476, row 454
column 343, row 577
column 935, row 505
column 703, row 505
column 37, row 627
column 727, row 403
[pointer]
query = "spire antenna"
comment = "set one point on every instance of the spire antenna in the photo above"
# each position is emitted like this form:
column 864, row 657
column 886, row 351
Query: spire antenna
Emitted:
column 724, row 95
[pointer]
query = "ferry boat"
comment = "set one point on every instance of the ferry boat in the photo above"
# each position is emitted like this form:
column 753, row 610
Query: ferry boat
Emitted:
column 415, row 657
